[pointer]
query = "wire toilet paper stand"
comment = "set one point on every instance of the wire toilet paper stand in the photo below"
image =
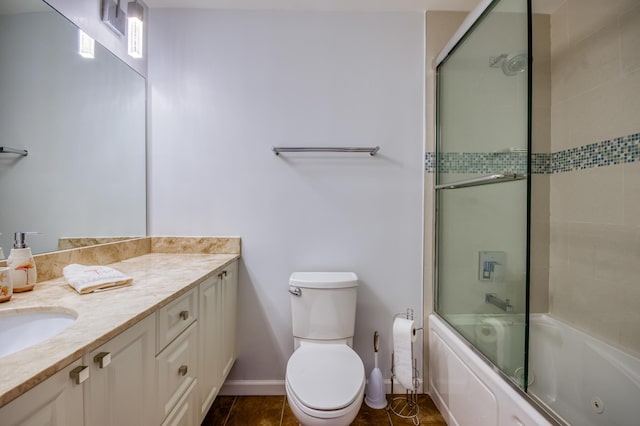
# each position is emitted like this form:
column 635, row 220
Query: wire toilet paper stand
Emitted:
column 405, row 406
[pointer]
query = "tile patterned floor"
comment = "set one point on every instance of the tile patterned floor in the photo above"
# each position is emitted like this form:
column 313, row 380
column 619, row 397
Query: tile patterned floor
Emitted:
column 275, row 411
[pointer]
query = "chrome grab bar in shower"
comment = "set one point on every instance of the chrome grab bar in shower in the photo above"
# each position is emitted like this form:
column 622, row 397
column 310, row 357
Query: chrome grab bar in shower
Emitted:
column 7, row 150
column 482, row 180
column 278, row 149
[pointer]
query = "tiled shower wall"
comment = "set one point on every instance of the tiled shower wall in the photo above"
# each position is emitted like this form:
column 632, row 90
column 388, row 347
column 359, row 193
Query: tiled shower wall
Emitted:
column 595, row 192
column 586, row 164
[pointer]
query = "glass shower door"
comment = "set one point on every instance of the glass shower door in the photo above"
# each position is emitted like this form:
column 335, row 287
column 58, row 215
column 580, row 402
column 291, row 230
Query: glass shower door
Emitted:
column 482, row 186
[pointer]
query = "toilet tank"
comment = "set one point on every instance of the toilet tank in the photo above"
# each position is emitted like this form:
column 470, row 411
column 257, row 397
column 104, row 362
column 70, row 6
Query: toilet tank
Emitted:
column 325, row 308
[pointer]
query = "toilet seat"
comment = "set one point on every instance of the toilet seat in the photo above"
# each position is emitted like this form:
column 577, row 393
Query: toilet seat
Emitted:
column 325, row 378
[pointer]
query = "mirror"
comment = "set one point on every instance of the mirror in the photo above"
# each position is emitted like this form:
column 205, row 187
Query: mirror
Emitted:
column 82, row 121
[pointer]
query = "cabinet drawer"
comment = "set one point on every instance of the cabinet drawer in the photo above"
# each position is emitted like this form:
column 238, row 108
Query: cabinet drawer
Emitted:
column 186, row 411
column 176, row 369
column 176, row 317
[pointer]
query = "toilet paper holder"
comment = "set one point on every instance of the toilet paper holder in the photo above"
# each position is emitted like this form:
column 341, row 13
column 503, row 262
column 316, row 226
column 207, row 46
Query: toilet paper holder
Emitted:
column 406, row 406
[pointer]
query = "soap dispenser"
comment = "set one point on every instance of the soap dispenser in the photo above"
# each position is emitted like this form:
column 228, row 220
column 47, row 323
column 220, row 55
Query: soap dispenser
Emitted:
column 22, row 267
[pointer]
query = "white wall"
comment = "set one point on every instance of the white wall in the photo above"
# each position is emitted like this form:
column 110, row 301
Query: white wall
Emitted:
column 224, row 87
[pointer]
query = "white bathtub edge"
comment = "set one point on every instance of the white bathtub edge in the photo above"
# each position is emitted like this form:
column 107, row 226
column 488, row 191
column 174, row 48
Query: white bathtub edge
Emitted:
column 511, row 407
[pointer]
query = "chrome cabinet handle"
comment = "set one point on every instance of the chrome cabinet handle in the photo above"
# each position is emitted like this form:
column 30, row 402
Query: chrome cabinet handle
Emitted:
column 184, row 315
column 183, row 370
column 295, row 291
column 79, row 374
column 102, row 359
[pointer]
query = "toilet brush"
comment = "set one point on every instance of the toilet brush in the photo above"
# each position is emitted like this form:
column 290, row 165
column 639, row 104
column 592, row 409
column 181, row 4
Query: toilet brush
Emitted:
column 376, row 397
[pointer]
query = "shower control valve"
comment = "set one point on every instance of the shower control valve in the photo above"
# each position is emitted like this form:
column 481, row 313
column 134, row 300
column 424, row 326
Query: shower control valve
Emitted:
column 491, row 265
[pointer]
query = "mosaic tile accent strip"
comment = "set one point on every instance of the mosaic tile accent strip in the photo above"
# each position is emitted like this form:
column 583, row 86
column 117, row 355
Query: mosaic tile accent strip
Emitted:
column 477, row 162
column 600, row 154
column 541, row 163
column 430, row 162
column 620, row 150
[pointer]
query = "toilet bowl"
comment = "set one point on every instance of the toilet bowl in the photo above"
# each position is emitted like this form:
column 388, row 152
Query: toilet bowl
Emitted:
column 325, row 384
column 325, row 378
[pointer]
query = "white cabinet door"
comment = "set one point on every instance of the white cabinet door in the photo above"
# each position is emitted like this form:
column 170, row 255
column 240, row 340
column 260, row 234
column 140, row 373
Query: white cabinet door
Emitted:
column 122, row 388
column 209, row 340
column 57, row 401
column 229, row 295
column 186, row 411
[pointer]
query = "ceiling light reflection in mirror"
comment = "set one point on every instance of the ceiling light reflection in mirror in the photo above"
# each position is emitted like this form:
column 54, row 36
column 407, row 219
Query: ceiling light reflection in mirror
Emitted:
column 83, row 123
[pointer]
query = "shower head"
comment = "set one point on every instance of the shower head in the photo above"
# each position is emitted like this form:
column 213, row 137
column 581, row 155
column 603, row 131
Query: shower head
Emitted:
column 511, row 64
column 515, row 63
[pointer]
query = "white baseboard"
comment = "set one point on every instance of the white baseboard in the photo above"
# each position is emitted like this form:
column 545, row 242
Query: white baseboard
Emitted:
column 253, row 387
column 276, row 387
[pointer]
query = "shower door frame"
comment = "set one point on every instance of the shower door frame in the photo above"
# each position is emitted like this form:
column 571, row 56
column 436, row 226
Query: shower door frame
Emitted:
column 474, row 19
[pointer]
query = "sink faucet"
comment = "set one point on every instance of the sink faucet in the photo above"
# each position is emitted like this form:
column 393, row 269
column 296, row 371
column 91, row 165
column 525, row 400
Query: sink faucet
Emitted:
column 505, row 305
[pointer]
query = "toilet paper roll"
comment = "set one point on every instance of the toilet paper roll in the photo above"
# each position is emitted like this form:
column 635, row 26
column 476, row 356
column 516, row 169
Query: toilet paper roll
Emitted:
column 404, row 334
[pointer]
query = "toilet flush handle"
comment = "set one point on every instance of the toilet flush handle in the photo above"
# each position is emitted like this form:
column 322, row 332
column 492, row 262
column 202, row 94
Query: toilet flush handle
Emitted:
column 295, row 291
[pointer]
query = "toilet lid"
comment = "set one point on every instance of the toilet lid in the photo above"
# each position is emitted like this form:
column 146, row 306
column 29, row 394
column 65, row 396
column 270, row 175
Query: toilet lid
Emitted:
column 325, row 376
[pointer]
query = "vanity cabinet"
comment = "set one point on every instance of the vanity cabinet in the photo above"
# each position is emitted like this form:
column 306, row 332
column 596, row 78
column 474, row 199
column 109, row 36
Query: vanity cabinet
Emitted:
column 56, row 401
column 217, row 334
column 186, row 411
column 177, row 359
column 122, row 381
column 229, row 296
column 164, row 370
column 209, row 340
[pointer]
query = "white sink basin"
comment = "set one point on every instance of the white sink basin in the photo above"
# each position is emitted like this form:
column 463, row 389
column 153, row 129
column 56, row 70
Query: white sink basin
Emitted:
column 21, row 328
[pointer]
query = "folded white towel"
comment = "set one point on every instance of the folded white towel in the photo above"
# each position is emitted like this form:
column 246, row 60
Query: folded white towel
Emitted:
column 87, row 279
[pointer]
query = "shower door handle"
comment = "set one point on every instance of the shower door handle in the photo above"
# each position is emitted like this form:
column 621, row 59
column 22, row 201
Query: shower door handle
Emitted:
column 295, row 291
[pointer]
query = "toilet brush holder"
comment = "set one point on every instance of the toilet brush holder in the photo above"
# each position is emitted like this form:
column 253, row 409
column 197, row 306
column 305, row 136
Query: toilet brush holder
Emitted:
column 376, row 397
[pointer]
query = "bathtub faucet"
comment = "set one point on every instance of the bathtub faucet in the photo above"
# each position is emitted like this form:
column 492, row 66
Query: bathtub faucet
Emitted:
column 505, row 305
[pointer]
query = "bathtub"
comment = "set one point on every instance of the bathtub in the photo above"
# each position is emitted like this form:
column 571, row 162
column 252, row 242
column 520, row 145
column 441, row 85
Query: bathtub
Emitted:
column 580, row 379
column 469, row 391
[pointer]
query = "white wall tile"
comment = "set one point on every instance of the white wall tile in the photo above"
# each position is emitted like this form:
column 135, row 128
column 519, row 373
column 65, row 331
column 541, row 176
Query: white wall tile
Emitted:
column 588, row 63
column 591, row 195
column 632, row 194
column 584, row 17
column 594, row 243
column 630, row 39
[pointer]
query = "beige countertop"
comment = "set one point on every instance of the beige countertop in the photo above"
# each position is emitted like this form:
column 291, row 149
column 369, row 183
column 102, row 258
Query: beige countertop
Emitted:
column 158, row 278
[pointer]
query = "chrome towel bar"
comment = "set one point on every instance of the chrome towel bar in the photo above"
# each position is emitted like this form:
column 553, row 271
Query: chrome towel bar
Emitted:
column 7, row 150
column 278, row 149
column 482, row 180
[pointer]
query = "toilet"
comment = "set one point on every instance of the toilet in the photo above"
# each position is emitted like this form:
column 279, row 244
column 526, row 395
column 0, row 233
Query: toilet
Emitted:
column 325, row 378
